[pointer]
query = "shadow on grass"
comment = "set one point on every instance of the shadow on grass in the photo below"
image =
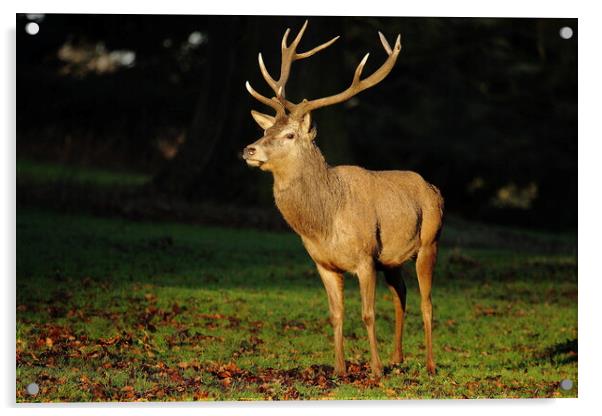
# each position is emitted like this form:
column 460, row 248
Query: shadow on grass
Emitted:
column 561, row 353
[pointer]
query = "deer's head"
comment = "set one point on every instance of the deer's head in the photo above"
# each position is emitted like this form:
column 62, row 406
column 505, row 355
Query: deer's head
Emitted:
column 289, row 132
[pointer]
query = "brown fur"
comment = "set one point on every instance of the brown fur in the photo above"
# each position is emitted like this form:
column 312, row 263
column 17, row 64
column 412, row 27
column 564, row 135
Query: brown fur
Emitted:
column 350, row 219
column 353, row 220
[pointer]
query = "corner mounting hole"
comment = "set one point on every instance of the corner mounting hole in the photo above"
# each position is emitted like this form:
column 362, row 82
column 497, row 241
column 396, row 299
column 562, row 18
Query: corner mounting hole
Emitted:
column 32, row 28
column 32, row 389
column 566, row 385
column 566, row 32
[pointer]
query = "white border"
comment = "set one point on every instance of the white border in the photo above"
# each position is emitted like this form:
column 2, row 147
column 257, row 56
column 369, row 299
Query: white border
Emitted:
column 589, row 190
column 471, row 8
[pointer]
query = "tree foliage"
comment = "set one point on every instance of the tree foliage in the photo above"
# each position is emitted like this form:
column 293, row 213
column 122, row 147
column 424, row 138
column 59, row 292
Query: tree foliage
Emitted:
column 484, row 108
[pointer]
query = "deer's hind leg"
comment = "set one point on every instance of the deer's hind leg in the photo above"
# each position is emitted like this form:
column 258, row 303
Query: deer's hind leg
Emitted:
column 396, row 283
column 425, row 263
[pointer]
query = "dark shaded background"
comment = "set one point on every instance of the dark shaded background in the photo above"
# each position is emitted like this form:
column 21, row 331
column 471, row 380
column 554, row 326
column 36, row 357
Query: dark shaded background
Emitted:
column 486, row 109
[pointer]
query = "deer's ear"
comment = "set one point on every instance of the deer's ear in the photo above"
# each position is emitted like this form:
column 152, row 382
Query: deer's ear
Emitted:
column 264, row 121
column 306, row 122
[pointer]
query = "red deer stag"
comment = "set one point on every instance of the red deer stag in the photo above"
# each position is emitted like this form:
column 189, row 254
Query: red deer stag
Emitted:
column 350, row 219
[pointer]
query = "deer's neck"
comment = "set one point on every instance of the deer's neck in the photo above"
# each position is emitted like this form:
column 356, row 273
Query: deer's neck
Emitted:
column 308, row 194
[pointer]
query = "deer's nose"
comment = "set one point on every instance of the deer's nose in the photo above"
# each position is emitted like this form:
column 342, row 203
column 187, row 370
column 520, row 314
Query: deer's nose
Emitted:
column 249, row 151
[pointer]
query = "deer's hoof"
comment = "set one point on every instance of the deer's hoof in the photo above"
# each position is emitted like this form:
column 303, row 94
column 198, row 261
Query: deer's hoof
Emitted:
column 397, row 358
column 430, row 367
column 377, row 371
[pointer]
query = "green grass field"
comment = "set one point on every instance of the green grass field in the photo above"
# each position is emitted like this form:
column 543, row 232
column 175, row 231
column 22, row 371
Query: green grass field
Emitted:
column 40, row 172
column 111, row 310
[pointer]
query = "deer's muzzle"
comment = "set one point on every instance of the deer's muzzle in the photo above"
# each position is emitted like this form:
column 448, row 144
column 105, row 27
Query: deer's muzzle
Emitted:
column 253, row 156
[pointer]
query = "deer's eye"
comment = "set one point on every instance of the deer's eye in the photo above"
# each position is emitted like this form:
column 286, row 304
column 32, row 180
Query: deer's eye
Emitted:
column 290, row 136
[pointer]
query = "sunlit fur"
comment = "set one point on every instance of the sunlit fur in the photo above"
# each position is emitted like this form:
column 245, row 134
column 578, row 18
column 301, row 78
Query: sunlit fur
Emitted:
column 353, row 220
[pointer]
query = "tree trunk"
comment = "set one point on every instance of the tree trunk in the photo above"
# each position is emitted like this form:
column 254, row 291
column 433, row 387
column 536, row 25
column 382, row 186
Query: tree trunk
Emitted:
column 218, row 108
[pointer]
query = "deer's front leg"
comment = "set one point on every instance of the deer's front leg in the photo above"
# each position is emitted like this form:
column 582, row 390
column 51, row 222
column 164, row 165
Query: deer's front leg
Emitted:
column 367, row 279
column 333, row 282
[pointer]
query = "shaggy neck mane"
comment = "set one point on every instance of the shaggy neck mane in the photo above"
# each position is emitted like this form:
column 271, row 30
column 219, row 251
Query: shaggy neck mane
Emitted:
column 308, row 194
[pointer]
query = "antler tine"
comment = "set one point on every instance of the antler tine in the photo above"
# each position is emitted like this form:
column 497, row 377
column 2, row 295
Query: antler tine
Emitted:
column 359, row 69
column 383, row 40
column 284, row 38
column 266, row 75
column 296, row 56
column 299, row 35
column 358, row 84
column 274, row 103
column 316, row 49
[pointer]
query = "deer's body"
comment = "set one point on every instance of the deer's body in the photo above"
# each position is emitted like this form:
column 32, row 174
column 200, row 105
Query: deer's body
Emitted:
column 348, row 215
column 350, row 219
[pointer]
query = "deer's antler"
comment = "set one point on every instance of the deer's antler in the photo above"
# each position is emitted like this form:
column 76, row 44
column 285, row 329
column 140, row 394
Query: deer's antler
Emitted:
column 358, row 84
column 273, row 102
column 289, row 54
